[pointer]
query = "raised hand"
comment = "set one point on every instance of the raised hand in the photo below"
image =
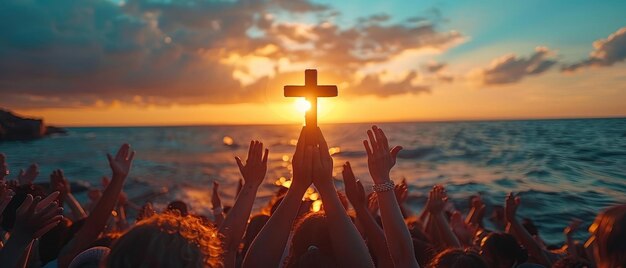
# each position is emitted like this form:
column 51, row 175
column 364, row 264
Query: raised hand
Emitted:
column 4, row 168
column 28, row 176
column 301, row 162
column 33, row 222
column 120, row 165
column 437, row 199
column 510, row 206
column 254, row 170
column 463, row 231
column 354, row 188
column 401, row 191
column 380, row 159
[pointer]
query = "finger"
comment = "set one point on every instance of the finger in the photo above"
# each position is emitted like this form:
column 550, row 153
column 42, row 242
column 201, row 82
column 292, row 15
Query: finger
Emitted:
column 250, row 149
column 239, row 164
column 265, row 155
column 122, row 152
column 317, row 161
column 49, row 199
column 131, row 157
column 110, row 158
column 373, row 143
column 381, row 139
column 259, row 155
column 367, row 149
column 48, row 211
column 215, row 186
column 308, row 161
column 394, row 153
column 348, row 176
column 33, row 205
column 360, row 189
column 301, row 139
column 57, row 211
column 322, row 141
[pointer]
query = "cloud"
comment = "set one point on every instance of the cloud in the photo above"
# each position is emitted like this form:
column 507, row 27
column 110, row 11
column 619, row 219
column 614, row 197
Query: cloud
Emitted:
column 372, row 85
column 82, row 53
column 511, row 68
column 606, row 52
column 435, row 67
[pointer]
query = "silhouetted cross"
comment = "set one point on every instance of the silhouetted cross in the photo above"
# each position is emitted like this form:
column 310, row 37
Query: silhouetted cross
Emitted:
column 311, row 91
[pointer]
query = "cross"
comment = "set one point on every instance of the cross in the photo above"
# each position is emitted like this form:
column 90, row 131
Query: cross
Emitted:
column 311, row 91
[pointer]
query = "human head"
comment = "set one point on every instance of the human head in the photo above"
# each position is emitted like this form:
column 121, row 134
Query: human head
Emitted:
column 90, row 258
column 179, row 206
column 609, row 233
column 456, row 258
column 502, row 250
column 311, row 245
column 166, row 240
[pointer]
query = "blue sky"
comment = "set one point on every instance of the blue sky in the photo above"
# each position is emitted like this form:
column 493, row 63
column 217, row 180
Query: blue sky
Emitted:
column 506, row 26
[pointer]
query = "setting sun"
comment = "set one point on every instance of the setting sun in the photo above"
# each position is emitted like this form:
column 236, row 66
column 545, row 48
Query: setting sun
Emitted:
column 302, row 105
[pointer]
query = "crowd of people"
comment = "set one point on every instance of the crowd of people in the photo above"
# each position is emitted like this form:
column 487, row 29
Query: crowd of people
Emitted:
column 356, row 227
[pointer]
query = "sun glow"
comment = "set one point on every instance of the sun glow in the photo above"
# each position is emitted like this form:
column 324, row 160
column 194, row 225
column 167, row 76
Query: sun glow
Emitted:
column 302, row 105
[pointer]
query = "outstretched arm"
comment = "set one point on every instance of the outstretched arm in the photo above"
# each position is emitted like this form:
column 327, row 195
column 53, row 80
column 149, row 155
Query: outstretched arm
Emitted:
column 345, row 238
column 517, row 229
column 234, row 225
column 380, row 160
column 120, row 165
column 267, row 248
column 373, row 233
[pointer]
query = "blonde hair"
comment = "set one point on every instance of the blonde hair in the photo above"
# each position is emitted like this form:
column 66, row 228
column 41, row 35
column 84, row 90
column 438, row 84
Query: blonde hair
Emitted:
column 167, row 240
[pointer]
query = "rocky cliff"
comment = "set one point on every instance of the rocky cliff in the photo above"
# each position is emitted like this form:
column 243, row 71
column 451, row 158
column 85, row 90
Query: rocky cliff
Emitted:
column 13, row 127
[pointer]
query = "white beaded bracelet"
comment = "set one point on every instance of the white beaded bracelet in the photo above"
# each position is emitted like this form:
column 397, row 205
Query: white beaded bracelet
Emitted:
column 383, row 187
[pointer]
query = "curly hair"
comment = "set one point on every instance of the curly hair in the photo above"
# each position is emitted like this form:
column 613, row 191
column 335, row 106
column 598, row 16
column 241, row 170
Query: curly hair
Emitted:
column 167, row 240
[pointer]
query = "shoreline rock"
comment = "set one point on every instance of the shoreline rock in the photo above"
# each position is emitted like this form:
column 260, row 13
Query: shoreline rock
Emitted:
column 14, row 127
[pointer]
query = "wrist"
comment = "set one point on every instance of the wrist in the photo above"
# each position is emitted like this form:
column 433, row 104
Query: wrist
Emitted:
column 386, row 186
column 381, row 179
column 297, row 189
column 251, row 185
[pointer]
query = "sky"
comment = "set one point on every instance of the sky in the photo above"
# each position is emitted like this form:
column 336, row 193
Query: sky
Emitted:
column 190, row 62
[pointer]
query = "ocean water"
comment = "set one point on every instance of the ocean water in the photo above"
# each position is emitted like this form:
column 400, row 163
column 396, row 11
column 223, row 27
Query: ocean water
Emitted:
column 564, row 169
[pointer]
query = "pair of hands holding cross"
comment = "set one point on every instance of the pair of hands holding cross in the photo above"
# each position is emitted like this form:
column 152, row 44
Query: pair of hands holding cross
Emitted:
column 312, row 163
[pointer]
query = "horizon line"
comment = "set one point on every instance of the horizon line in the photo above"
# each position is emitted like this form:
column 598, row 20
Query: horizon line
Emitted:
column 347, row 123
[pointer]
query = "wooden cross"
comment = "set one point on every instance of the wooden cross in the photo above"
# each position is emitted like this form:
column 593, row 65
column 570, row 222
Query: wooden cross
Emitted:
column 311, row 91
